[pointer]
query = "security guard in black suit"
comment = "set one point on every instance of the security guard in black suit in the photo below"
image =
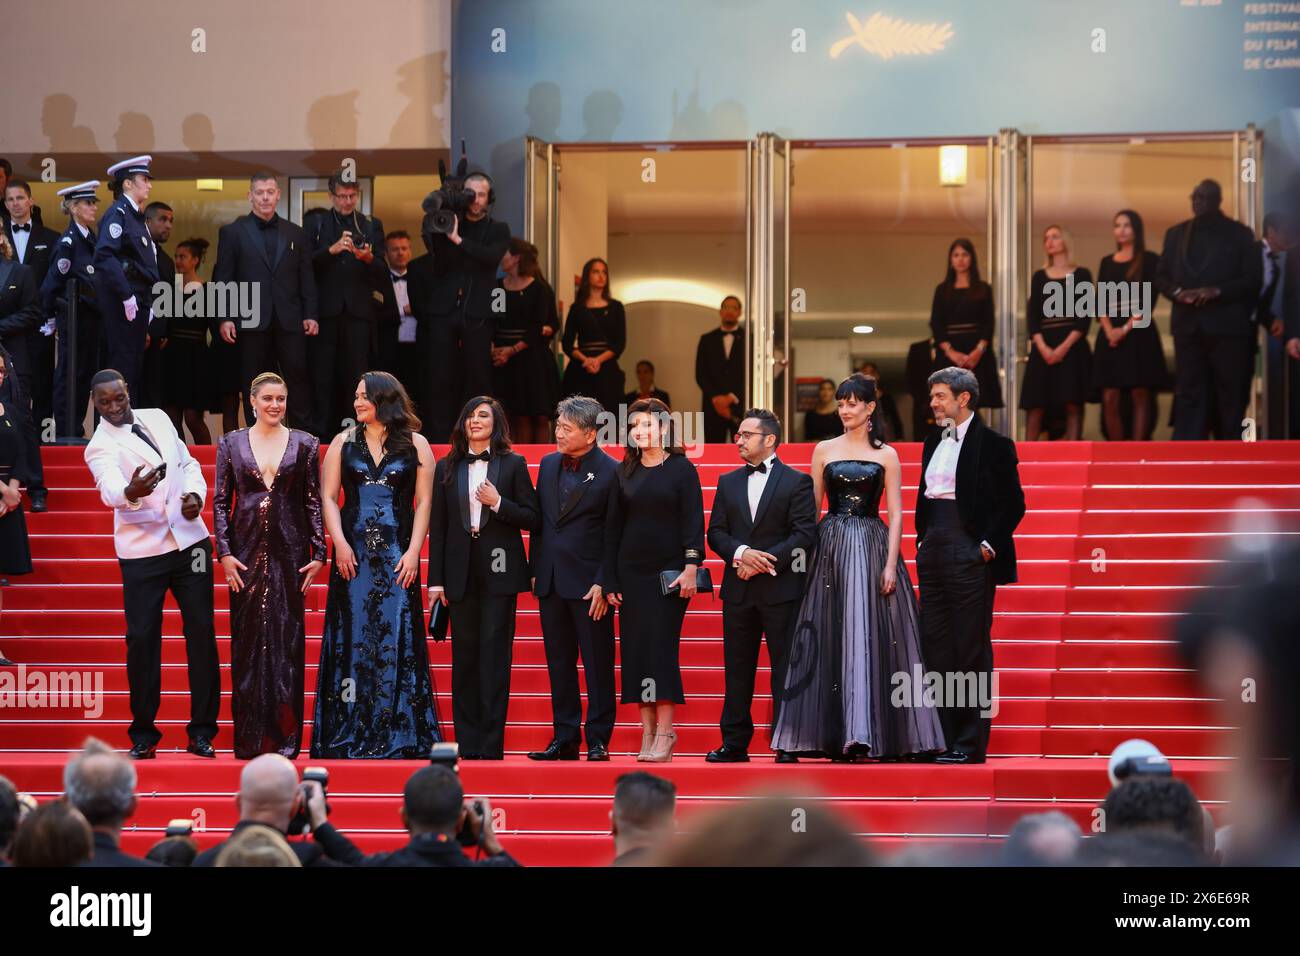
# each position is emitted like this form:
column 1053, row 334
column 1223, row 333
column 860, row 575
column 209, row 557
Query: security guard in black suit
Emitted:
column 74, row 257
column 126, row 263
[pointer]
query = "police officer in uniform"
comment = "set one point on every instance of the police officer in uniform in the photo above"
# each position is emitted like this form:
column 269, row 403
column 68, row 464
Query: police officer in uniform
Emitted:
column 74, row 257
column 126, row 266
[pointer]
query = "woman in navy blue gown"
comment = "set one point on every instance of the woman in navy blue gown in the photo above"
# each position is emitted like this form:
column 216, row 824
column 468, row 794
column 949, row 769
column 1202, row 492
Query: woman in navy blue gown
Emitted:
column 374, row 692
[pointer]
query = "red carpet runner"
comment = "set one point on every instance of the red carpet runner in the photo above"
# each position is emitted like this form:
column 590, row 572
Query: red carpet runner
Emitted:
column 1117, row 536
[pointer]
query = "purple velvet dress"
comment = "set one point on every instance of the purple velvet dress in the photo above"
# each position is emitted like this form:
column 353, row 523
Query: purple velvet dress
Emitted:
column 274, row 532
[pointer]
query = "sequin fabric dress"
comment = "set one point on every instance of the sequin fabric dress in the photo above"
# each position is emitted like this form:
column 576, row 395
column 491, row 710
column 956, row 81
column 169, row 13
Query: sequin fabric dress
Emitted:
column 374, row 692
column 841, row 695
column 273, row 532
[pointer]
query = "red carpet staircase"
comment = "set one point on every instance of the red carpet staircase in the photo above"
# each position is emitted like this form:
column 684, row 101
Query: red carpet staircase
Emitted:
column 1116, row 539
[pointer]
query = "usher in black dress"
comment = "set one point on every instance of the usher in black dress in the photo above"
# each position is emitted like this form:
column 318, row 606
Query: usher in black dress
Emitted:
column 962, row 317
column 1070, row 382
column 593, row 331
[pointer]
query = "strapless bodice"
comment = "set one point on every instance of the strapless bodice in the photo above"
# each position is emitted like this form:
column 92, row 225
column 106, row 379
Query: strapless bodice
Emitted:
column 854, row 487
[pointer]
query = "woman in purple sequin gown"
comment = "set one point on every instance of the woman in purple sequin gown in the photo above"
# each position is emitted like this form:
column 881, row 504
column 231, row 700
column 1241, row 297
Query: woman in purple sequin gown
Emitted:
column 856, row 640
column 271, row 543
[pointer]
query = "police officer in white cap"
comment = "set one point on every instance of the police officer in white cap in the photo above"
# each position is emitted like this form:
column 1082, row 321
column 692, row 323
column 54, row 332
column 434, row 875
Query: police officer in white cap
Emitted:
column 74, row 257
column 126, row 267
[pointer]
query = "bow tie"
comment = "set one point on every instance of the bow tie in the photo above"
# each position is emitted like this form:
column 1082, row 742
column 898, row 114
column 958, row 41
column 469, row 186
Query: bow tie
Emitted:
column 760, row 468
column 25, row 227
column 481, row 456
column 571, row 462
column 396, row 278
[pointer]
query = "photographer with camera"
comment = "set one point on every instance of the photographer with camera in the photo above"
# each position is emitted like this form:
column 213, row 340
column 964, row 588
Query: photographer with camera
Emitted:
column 452, row 296
column 439, row 818
column 271, row 796
column 344, row 243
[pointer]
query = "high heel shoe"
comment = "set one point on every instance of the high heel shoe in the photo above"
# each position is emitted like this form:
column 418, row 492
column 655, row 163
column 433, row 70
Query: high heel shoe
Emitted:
column 647, row 745
column 662, row 754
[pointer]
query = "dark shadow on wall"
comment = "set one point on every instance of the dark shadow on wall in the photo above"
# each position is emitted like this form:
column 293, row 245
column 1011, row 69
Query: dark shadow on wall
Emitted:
column 602, row 111
column 506, row 159
column 424, row 82
column 59, row 124
column 727, row 119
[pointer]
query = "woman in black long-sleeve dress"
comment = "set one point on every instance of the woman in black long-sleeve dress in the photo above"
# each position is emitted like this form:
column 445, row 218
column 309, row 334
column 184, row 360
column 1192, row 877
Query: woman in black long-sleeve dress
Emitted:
column 1128, row 356
column 189, row 382
column 961, row 321
column 524, row 380
column 663, row 530
column 595, row 334
column 15, row 550
column 1059, row 371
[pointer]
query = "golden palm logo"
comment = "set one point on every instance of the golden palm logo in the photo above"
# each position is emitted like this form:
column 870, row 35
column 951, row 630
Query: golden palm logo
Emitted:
column 888, row 37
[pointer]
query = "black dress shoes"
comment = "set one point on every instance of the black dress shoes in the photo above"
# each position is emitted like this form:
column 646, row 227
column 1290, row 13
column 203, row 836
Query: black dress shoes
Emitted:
column 39, row 502
column 144, row 752
column 955, row 756
column 556, row 751
column 783, row 756
column 201, row 747
column 597, row 751
column 725, row 754
column 919, row 758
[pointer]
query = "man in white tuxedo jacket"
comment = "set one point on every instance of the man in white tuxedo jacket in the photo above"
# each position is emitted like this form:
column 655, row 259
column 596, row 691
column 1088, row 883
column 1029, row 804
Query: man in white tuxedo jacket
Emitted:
column 146, row 475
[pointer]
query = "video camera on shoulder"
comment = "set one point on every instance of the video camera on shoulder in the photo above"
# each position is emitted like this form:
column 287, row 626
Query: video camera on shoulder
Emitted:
column 449, row 200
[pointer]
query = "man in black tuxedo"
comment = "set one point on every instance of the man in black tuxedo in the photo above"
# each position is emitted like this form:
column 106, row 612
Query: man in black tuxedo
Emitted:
column 574, row 563
column 1212, row 271
column 920, row 363
column 20, row 316
column 344, row 244
column 33, row 246
column 1277, row 236
column 396, row 351
column 274, row 255
column 720, row 373
column 763, row 526
column 482, row 500
column 968, row 505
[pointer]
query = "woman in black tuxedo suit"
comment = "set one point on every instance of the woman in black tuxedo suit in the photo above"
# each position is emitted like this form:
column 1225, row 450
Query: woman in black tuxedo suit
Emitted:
column 482, row 501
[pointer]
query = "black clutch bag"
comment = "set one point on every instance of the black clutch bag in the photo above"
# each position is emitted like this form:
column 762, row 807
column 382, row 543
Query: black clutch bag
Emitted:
column 703, row 581
column 439, row 615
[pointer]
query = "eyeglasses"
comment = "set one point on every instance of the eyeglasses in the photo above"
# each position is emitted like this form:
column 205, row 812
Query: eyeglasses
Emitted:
column 748, row 435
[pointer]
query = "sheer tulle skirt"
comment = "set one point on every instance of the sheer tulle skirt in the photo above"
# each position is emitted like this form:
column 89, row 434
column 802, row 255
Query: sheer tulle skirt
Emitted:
column 841, row 695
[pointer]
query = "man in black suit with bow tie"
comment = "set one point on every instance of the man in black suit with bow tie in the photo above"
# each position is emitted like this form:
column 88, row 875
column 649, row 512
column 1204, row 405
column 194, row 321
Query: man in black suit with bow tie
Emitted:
column 33, row 246
column 274, row 256
column 968, row 505
column 482, row 500
column 574, row 563
column 763, row 525
column 396, row 329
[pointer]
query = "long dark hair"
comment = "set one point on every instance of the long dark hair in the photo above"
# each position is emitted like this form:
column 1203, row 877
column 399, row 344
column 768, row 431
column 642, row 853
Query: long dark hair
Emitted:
column 498, row 444
column 978, row 287
column 1134, row 270
column 393, row 410
column 667, row 433
column 863, row 389
column 584, row 285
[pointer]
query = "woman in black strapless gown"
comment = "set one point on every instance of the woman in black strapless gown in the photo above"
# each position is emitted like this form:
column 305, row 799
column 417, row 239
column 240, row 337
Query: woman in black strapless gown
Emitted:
column 857, row 626
column 374, row 693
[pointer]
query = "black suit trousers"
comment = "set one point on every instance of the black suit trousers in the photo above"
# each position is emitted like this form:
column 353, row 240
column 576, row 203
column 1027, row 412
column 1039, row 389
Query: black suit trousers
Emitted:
column 267, row 351
column 187, row 573
column 567, row 630
column 1205, row 362
column 338, row 357
column 482, row 642
column 443, row 376
column 957, row 592
column 743, row 628
column 87, row 361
